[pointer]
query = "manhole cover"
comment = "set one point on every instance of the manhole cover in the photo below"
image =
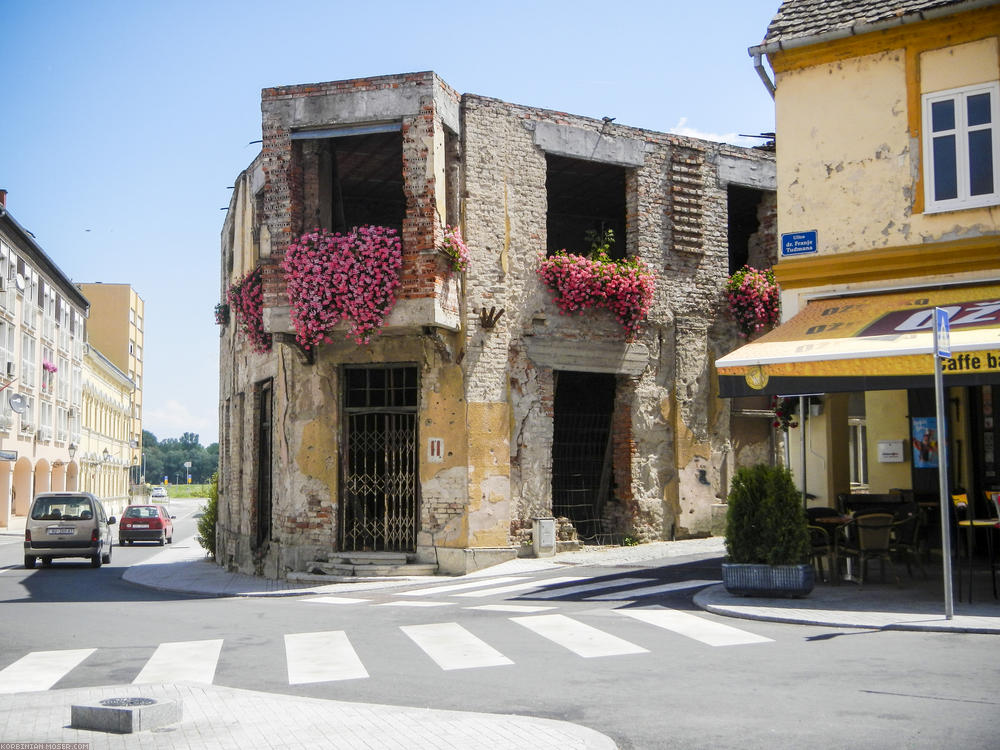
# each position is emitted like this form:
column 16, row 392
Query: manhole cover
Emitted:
column 128, row 702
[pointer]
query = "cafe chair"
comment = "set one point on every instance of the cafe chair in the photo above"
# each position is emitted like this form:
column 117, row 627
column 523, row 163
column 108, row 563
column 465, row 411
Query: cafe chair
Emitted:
column 965, row 519
column 870, row 538
column 904, row 538
column 820, row 549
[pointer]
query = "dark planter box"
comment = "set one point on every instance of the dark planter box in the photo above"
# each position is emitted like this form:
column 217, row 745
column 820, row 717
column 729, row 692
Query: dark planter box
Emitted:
column 768, row 580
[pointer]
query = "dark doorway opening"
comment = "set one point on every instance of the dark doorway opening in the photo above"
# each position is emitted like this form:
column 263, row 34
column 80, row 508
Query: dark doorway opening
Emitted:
column 264, row 411
column 582, row 476
column 585, row 200
column 379, row 489
column 352, row 180
column 744, row 222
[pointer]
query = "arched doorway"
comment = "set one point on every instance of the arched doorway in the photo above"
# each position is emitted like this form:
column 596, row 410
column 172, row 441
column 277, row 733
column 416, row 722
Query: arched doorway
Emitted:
column 6, row 502
column 58, row 481
column 23, row 487
column 72, row 477
column 43, row 476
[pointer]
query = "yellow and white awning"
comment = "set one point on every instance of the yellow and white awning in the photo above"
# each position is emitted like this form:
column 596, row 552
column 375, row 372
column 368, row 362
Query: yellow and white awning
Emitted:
column 872, row 342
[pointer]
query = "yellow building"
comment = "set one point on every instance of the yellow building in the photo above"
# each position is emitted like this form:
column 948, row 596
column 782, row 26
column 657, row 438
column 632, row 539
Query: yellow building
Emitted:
column 888, row 168
column 116, row 329
column 105, row 453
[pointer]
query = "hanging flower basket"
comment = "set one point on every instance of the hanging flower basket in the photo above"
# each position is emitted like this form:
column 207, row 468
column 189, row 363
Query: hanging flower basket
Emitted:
column 784, row 412
column 222, row 314
column 49, row 366
column 246, row 299
column 754, row 299
column 342, row 277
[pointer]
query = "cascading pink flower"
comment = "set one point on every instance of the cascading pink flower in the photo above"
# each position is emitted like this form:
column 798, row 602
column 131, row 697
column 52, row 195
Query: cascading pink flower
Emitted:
column 342, row 277
column 246, row 300
column 754, row 299
column 580, row 283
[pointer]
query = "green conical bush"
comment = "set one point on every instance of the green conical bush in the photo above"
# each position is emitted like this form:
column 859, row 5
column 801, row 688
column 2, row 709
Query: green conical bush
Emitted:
column 765, row 522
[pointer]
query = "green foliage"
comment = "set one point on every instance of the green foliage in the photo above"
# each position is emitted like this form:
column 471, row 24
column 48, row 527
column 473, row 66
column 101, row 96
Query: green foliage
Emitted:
column 166, row 458
column 766, row 523
column 209, row 517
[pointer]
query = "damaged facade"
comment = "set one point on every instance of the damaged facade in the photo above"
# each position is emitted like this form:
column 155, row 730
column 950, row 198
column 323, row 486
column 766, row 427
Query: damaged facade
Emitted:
column 479, row 407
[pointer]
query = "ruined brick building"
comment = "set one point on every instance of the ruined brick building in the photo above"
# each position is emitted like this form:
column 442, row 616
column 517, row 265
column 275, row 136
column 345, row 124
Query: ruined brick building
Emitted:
column 445, row 435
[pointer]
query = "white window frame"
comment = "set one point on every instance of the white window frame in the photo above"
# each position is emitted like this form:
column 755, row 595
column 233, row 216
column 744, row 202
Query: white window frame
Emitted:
column 961, row 132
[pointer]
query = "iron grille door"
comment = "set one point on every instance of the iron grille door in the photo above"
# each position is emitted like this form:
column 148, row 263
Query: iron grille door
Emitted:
column 379, row 507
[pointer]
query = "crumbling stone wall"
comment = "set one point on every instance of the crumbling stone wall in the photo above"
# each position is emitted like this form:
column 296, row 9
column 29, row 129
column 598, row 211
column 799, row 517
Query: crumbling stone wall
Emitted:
column 486, row 392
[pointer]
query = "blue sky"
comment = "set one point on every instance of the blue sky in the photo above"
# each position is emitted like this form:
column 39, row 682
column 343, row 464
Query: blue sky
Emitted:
column 123, row 123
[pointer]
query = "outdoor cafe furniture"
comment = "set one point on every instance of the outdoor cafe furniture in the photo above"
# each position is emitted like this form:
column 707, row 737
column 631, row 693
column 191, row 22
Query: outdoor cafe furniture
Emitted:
column 869, row 537
column 826, row 533
column 965, row 518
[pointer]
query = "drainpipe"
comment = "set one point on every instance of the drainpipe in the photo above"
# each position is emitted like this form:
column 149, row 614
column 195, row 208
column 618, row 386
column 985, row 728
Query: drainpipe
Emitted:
column 854, row 30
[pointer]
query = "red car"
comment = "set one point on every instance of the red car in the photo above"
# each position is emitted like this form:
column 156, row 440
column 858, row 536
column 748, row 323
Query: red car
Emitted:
column 145, row 523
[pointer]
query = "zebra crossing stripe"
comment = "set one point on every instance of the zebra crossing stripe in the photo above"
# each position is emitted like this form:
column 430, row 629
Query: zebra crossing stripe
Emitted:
column 40, row 670
column 597, row 586
column 459, row 586
column 321, row 657
column 453, row 647
column 182, row 661
column 416, row 604
column 651, row 590
column 513, row 608
column 581, row 639
column 692, row 626
column 537, row 584
column 334, row 600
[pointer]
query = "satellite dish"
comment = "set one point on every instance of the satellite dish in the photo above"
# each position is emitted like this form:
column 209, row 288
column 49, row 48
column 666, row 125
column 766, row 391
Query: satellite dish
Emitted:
column 17, row 402
column 19, row 280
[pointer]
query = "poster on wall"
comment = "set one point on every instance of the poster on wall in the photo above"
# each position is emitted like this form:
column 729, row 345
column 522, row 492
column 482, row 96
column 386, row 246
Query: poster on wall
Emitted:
column 924, row 437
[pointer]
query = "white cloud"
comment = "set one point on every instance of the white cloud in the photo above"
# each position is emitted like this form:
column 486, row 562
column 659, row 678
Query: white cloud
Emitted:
column 174, row 419
column 681, row 128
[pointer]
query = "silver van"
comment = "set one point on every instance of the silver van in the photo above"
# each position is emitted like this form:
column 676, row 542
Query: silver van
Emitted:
column 67, row 524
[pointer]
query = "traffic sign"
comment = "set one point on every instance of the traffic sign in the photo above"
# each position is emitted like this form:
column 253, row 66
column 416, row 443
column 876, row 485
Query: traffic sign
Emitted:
column 942, row 333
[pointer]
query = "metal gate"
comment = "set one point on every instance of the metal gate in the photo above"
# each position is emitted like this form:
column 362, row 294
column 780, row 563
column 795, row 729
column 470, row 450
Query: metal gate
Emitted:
column 379, row 484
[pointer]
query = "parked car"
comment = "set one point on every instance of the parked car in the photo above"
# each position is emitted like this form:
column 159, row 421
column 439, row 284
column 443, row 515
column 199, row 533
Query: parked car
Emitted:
column 146, row 523
column 159, row 492
column 67, row 524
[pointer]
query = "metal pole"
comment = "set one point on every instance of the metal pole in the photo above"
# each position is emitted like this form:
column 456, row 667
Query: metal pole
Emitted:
column 802, row 437
column 942, row 435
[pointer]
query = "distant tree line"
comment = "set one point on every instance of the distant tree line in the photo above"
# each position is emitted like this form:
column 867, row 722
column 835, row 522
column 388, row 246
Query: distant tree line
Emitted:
column 166, row 458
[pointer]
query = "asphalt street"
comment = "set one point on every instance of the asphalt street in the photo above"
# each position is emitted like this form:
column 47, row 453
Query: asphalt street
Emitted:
column 620, row 649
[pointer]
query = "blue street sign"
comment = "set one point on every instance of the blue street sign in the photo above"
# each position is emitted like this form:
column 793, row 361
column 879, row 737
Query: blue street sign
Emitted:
column 798, row 243
column 942, row 333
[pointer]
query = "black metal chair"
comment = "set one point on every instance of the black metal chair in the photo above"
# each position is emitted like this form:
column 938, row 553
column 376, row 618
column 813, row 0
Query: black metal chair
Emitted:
column 905, row 535
column 869, row 538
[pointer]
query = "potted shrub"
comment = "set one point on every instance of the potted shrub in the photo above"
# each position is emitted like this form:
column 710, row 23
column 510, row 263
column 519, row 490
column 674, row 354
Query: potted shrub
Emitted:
column 767, row 535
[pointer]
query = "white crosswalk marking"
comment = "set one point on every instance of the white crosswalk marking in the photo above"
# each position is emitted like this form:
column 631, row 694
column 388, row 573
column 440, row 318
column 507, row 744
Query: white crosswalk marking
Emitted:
column 40, row 670
column 416, row 604
column 521, row 586
column 183, row 661
column 692, row 626
column 454, row 647
column 433, row 590
column 663, row 588
column 513, row 608
column 579, row 638
column 335, row 600
column 596, row 586
column 321, row 657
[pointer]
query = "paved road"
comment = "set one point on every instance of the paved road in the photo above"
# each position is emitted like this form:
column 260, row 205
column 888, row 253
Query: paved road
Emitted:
column 620, row 650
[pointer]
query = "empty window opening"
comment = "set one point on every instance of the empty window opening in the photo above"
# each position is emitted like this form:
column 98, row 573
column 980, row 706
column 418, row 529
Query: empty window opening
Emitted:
column 744, row 223
column 264, row 457
column 352, row 180
column 582, row 471
column 585, row 199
